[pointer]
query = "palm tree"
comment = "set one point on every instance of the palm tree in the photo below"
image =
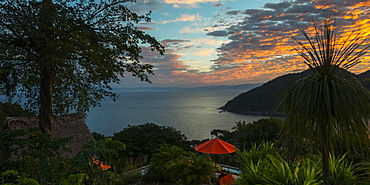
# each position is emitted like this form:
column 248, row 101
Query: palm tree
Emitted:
column 241, row 128
column 326, row 106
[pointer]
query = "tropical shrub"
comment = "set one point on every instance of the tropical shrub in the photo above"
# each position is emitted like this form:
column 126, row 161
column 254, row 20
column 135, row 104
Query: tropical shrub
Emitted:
column 191, row 169
column 326, row 106
column 145, row 140
column 76, row 179
column 100, row 160
column 11, row 177
column 266, row 164
column 245, row 135
column 22, row 150
column 341, row 171
column 30, row 157
column 173, row 164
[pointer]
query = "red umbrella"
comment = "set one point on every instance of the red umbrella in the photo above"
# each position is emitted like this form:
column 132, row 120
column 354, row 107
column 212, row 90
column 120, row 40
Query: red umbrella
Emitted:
column 215, row 146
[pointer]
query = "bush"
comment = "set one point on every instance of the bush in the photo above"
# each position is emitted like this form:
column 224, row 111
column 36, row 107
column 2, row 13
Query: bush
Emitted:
column 266, row 164
column 173, row 164
column 145, row 140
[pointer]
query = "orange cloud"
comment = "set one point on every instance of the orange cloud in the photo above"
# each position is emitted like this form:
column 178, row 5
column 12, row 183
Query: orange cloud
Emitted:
column 260, row 46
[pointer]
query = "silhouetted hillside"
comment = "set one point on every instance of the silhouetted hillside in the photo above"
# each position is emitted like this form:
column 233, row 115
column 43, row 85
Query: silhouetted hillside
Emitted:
column 364, row 79
column 262, row 100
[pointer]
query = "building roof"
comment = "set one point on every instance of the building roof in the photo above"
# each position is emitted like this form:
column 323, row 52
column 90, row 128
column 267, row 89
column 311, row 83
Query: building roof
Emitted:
column 72, row 125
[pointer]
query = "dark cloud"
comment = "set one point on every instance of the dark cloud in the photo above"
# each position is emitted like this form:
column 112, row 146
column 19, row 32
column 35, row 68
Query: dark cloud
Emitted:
column 278, row 6
column 216, row 4
column 261, row 45
column 262, row 41
column 173, row 42
column 303, row 9
column 163, row 64
column 144, row 28
column 143, row 7
column 193, row 71
column 234, row 12
column 218, row 33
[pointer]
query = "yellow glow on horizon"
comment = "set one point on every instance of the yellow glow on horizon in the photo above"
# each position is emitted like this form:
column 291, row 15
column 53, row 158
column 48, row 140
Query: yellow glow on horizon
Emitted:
column 260, row 58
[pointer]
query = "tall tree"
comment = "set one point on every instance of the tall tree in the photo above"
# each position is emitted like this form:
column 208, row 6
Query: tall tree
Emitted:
column 62, row 55
column 241, row 129
column 326, row 106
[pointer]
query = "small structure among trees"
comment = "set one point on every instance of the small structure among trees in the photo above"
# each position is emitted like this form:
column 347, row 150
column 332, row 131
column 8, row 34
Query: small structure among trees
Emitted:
column 72, row 125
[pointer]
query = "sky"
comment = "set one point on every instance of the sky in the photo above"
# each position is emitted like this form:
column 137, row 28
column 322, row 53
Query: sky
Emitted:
column 232, row 42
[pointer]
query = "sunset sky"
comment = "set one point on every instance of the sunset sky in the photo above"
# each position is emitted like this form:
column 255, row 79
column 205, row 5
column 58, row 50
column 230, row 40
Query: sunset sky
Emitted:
column 231, row 42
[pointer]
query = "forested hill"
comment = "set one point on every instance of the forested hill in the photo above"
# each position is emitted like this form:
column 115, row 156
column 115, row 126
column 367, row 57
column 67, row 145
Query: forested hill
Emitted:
column 262, row 100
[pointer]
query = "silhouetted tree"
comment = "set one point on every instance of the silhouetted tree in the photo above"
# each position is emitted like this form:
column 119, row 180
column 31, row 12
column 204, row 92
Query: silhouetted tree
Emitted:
column 324, row 106
column 146, row 139
column 62, row 55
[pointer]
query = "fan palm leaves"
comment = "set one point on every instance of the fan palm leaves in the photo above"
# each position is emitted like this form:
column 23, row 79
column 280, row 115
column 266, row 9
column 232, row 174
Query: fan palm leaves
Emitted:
column 326, row 106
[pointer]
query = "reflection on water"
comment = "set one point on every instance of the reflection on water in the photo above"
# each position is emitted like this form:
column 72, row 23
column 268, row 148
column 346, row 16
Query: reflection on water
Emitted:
column 194, row 113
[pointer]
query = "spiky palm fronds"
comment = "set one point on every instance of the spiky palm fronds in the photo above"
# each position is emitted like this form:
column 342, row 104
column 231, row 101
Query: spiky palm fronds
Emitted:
column 326, row 106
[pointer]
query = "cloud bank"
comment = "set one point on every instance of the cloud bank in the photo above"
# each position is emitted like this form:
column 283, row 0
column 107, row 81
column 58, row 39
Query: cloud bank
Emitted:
column 260, row 45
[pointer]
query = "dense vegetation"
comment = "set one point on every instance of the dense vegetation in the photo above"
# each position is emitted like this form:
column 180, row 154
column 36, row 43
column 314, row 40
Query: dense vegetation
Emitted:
column 13, row 110
column 143, row 141
column 170, row 154
column 264, row 158
column 22, row 150
column 62, row 56
column 325, row 107
column 327, row 111
column 269, row 164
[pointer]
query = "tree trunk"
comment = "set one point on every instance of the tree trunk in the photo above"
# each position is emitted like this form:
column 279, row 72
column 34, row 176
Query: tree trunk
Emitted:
column 46, row 101
column 325, row 152
column 46, row 69
column 325, row 164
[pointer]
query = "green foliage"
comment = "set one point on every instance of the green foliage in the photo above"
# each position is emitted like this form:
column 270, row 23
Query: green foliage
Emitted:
column 324, row 107
column 244, row 135
column 107, row 152
column 9, row 176
column 75, row 179
column 341, row 171
column 98, row 136
column 62, row 56
column 29, row 157
column 262, row 130
column 191, row 169
column 262, row 100
column 146, row 139
column 12, row 177
column 266, row 164
column 13, row 110
column 158, row 169
column 31, row 149
column 173, row 164
column 362, row 170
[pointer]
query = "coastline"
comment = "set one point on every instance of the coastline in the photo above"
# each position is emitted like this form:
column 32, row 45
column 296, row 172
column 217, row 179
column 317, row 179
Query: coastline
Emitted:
column 252, row 113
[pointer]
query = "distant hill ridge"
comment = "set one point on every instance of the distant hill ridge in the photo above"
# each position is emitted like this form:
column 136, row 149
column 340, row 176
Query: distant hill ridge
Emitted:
column 242, row 87
column 262, row 100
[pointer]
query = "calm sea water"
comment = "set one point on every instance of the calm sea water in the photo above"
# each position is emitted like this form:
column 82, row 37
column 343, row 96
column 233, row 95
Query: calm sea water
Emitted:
column 194, row 112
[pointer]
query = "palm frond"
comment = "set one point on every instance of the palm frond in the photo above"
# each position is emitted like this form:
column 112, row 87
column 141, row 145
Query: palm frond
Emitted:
column 326, row 105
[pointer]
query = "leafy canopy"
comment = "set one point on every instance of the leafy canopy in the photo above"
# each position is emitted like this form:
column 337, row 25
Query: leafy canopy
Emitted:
column 146, row 139
column 84, row 45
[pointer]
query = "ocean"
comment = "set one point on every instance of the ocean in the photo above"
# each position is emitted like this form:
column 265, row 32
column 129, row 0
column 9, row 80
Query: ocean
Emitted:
column 193, row 111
